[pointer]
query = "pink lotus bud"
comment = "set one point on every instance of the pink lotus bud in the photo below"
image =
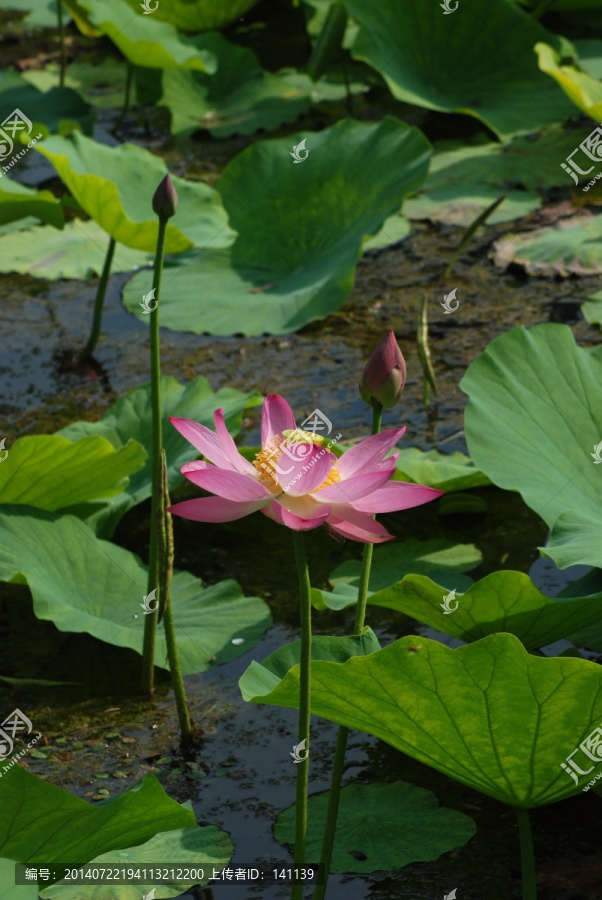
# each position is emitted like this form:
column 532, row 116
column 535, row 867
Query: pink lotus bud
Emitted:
column 384, row 375
column 165, row 199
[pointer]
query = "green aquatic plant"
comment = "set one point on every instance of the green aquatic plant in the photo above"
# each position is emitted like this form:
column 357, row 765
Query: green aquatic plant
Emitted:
column 112, row 185
column 449, row 709
column 292, row 263
column 66, row 828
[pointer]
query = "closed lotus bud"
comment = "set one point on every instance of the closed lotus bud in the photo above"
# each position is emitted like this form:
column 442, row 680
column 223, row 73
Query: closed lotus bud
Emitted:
column 384, row 375
column 165, row 199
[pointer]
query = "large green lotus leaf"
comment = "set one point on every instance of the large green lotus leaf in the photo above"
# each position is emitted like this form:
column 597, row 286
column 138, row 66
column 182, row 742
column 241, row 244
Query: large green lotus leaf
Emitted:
column 101, row 84
column 570, row 247
column 185, row 847
column 463, row 182
column 44, row 824
column 131, row 417
column 292, row 262
column 370, row 822
column 18, row 201
column 580, row 87
column 525, row 390
column 498, row 82
column 503, row 601
column 143, row 39
column 444, row 471
column 60, row 104
column 50, row 472
column 78, row 251
column 439, row 558
column 115, row 186
column 82, row 583
column 199, row 15
column 450, row 709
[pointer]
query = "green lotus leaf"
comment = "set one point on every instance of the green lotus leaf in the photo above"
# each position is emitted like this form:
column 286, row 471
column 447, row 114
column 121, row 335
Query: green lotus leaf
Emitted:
column 131, row 418
column 50, row 472
column 182, row 847
column 198, row 15
column 589, row 52
column 570, row 247
column 463, row 182
column 369, row 822
column 58, row 105
column 44, row 824
column 580, row 87
column 240, row 97
column 503, row 601
column 78, row 251
column 115, row 186
column 292, row 262
column 84, row 584
column 101, row 84
column 143, row 39
column 450, row 710
column 394, row 229
column 418, row 52
column 444, row 471
column 335, row 649
column 18, row 202
column 533, row 417
column 438, row 558
column 592, row 309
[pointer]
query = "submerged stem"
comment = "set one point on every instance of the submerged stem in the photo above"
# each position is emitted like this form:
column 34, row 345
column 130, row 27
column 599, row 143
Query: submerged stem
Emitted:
column 338, row 765
column 99, row 301
column 150, row 621
column 304, row 708
column 526, row 854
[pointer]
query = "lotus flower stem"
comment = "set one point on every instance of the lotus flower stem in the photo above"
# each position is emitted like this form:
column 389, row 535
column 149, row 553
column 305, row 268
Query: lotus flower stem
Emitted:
column 304, row 707
column 59, row 13
column 338, row 765
column 100, row 299
column 526, row 853
column 165, row 555
column 150, row 621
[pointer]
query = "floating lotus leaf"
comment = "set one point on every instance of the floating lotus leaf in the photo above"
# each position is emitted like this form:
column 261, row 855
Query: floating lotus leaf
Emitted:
column 369, row 822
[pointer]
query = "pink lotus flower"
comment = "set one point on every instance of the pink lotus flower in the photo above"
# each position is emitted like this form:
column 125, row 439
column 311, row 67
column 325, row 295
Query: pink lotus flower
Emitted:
column 295, row 479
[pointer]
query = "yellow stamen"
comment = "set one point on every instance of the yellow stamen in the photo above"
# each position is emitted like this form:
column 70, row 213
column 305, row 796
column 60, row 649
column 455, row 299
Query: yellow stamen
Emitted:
column 266, row 460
